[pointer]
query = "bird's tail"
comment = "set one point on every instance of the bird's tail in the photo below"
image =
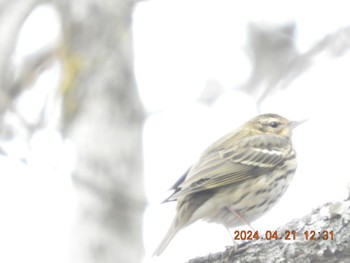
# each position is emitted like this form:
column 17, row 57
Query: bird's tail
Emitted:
column 168, row 237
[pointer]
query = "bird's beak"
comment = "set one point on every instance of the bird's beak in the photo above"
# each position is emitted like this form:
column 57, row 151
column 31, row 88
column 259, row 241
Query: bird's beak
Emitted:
column 294, row 124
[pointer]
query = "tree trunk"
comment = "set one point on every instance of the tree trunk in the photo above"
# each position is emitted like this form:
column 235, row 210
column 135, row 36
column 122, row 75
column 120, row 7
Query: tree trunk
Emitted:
column 103, row 118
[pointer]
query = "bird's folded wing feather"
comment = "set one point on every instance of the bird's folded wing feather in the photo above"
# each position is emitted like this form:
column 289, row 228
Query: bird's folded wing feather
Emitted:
column 248, row 158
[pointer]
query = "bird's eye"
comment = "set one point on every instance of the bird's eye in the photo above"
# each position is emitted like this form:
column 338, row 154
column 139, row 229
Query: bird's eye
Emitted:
column 274, row 124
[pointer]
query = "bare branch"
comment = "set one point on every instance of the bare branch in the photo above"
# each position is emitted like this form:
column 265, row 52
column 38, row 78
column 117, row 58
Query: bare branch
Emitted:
column 12, row 15
column 333, row 217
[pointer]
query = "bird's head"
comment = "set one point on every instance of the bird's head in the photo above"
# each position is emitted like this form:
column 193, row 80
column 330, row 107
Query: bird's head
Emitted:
column 272, row 124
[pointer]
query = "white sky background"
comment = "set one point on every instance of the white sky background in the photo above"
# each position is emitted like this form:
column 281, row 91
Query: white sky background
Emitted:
column 179, row 47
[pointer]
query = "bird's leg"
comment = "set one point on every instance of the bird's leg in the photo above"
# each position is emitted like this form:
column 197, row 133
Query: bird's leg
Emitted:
column 240, row 218
column 234, row 243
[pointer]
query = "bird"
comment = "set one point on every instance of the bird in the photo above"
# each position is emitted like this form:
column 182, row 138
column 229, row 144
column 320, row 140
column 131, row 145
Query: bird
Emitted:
column 238, row 178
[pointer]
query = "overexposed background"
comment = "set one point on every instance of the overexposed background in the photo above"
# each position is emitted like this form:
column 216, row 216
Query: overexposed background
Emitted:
column 191, row 64
column 185, row 48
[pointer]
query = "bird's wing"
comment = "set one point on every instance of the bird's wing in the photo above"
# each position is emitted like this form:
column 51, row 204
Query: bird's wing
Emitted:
column 247, row 158
column 176, row 185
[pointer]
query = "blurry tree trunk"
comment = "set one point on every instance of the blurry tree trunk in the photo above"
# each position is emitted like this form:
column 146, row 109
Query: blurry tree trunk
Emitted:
column 103, row 118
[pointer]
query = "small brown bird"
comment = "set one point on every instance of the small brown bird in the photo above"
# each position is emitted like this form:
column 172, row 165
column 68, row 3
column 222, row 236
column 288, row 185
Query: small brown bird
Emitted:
column 238, row 178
